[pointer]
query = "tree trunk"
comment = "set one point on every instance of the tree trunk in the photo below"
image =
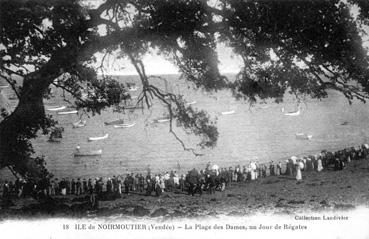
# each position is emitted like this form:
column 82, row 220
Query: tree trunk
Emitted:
column 20, row 126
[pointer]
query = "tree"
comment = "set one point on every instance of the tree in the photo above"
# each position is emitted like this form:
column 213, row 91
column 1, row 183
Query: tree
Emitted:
column 304, row 47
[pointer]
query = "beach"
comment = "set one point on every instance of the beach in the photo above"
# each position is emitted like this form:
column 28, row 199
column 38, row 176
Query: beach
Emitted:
column 326, row 191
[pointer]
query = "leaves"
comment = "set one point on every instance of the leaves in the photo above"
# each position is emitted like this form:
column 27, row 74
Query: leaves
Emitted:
column 299, row 47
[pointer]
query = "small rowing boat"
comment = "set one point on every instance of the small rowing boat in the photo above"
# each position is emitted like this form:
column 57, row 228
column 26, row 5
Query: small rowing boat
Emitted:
column 191, row 103
column 57, row 108
column 135, row 88
column 124, row 125
column 119, row 121
column 79, row 124
column 86, row 154
column 303, row 136
column 161, row 120
column 98, row 138
column 68, row 112
column 228, row 112
column 293, row 113
column 54, row 140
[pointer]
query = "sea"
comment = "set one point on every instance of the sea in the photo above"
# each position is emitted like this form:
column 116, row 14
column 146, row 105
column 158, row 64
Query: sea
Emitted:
column 249, row 132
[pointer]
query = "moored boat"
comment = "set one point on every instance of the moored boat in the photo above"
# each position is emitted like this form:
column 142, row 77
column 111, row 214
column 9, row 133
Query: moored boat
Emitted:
column 303, row 136
column 79, row 124
column 56, row 135
column 191, row 103
column 56, row 108
column 68, row 112
column 161, row 120
column 86, row 154
column 228, row 112
column 124, row 125
column 119, row 121
column 134, row 88
column 98, row 138
column 293, row 113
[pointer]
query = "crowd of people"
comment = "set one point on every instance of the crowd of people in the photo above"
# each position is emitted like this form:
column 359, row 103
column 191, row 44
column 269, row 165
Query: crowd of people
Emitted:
column 210, row 179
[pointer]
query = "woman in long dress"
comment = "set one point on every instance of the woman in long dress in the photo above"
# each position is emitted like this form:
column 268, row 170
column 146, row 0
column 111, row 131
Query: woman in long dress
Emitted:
column 319, row 165
column 298, row 171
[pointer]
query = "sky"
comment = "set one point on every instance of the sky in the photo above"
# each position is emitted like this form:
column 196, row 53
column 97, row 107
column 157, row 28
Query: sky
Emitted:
column 156, row 64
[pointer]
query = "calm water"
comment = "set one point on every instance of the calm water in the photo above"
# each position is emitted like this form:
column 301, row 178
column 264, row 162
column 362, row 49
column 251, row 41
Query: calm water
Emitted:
column 261, row 131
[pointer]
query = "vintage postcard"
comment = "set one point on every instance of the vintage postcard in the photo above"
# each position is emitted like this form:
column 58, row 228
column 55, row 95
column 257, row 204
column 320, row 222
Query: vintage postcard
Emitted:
column 184, row 119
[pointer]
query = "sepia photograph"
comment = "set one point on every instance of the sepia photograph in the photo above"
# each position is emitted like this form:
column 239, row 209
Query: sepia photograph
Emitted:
column 184, row 118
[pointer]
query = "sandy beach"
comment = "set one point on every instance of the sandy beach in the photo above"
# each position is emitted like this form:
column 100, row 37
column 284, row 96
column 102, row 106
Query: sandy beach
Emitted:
column 318, row 191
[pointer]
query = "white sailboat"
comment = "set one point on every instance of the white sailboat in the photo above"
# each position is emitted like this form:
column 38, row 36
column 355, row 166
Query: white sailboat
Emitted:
column 79, row 124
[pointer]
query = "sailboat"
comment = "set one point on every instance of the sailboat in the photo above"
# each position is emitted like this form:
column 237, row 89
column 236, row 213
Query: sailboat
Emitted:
column 56, row 135
column 79, row 124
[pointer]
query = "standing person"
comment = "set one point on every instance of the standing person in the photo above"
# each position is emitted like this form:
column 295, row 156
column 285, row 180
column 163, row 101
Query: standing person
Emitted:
column 56, row 186
column 230, row 175
column 91, row 191
column 271, row 168
column 79, row 187
column 52, row 188
column 6, row 190
column 119, row 185
column 84, row 186
column 6, row 195
column 141, row 183
column 175, row 180
column 319, row 164
column 114, row 182
column 253, row 170
column 279, row 168
column 73, row 188
column 149, row 183
column 109, row 186
column 63, row 187
column 298, row 170
column 89, row 185
column 182, row 182
column 131, row 182
column 127, row 184
column 162, row 183
column 157, row 187
column 68, row 184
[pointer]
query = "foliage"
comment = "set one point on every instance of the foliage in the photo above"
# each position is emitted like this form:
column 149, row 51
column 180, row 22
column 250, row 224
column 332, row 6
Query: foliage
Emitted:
column 302, row 47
